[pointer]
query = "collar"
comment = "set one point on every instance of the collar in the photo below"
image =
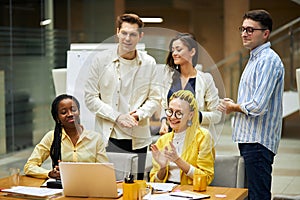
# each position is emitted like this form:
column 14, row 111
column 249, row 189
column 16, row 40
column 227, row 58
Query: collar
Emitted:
column 84, row 134
column 115, row 56
column 257, row 50
column 179, row 137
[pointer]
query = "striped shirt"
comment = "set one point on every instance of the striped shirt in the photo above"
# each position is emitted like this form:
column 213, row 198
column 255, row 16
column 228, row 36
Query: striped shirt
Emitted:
column 260, row 97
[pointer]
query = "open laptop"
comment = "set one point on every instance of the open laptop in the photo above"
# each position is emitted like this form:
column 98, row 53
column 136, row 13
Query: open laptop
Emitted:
column 83, row 179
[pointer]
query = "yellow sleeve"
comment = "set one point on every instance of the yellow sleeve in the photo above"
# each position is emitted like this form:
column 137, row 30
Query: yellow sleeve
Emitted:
column 40, row 153
column 206, row 156
column 101, row 151
column 160, row 143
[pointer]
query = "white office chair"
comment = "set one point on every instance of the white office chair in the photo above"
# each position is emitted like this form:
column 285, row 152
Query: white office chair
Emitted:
column 60, row 80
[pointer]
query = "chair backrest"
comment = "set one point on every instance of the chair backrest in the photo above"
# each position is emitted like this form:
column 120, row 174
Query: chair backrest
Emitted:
column 59, row 80
column 124, row 164
column 229, row 171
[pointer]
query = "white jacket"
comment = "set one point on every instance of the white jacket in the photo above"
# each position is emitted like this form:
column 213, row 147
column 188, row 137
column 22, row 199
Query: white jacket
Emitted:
column 101, row 95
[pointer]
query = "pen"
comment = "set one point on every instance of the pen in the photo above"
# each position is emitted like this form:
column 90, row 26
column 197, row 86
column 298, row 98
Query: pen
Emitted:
column 177, row 195
column 159, row 191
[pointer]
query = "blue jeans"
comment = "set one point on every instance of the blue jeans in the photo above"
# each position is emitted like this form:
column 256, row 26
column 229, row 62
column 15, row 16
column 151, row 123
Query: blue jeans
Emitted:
column 258, row 166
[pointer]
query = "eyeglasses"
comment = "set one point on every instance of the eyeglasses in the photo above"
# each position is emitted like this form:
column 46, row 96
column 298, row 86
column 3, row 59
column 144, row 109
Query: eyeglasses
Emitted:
column 250, row 30
column 178, row 114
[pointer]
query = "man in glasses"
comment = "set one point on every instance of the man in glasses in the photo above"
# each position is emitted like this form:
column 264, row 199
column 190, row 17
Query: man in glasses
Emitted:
column 258, row 111
column 123, row 93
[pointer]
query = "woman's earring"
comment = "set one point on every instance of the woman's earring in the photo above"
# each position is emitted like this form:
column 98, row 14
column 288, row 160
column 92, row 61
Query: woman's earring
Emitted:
column 189, row 123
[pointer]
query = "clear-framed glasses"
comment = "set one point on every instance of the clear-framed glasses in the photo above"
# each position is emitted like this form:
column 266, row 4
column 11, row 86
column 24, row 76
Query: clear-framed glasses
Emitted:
column 249, row 30
column 178, row 114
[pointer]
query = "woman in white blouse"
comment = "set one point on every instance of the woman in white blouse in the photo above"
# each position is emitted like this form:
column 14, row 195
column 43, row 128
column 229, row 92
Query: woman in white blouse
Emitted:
column 181, row 74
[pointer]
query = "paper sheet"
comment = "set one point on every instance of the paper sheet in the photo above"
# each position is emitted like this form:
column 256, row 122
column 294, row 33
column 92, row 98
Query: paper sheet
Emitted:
column 33, row 191
column 162, row 187
column 183, row 195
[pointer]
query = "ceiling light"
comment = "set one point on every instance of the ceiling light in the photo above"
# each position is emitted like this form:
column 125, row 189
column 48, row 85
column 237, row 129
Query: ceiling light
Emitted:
column 45, row 22
column 152, row 19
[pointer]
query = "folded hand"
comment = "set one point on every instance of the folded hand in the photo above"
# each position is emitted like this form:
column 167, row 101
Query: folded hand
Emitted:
column 127, row 121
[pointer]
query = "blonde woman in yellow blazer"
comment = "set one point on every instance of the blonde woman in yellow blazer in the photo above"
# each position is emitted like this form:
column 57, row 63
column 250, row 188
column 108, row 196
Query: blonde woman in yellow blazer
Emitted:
column 187, row 149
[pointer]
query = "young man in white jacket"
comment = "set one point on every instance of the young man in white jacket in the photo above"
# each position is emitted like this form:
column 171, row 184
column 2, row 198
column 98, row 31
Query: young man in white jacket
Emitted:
column 122, row 91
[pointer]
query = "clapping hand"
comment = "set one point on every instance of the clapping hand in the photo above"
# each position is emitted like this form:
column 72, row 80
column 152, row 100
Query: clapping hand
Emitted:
column 159, row 156
column 164, row 156
column 171, row 153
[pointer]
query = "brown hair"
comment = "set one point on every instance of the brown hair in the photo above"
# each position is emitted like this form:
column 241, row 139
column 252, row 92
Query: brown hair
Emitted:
column 261, row 16
column 188, row 40
column 129, row 18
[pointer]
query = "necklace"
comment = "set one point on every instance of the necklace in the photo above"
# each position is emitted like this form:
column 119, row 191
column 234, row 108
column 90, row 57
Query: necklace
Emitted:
column 178, row 141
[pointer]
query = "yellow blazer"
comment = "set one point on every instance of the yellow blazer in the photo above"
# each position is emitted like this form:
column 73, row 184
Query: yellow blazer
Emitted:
column 200, row 153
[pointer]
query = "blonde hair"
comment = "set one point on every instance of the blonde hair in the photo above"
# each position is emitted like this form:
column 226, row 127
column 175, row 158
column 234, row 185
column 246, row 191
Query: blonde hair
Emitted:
column 188, row 96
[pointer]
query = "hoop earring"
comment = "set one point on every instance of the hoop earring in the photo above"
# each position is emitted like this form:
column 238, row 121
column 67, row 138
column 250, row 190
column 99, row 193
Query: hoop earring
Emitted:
column 189, row 123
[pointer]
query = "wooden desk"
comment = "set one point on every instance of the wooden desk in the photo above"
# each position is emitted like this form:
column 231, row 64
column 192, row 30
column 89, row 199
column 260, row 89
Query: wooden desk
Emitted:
column 231, row 193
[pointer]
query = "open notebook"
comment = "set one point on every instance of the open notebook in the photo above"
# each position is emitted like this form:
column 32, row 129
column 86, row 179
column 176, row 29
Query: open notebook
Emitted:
column 89, row 179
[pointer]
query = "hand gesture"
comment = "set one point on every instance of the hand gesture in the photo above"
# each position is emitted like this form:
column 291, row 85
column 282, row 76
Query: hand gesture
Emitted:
column 171, row 154
column 135, row 115
column 164, row 128
column 54, row 173
column 127, row 121
column 226, row 105
column 159, row 156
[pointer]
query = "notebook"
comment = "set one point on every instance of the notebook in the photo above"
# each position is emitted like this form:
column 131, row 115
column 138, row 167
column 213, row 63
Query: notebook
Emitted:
column 89, row 179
